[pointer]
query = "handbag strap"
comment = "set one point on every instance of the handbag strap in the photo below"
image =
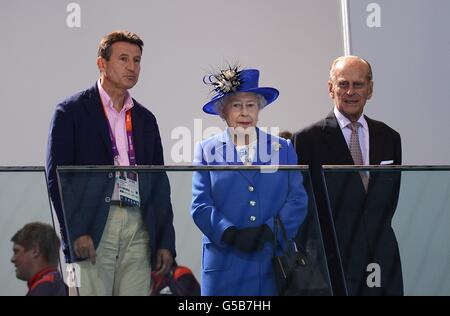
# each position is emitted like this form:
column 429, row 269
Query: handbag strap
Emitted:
column 279, row 223
column 276, row 243
column 301, row 256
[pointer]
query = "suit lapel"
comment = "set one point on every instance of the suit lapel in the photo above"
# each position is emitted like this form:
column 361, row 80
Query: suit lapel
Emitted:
column 227, row 151
column 264, row 149
column 94, row 107
column 264, row 152
column 138, row 128
column 375, row 142
column 335, row 146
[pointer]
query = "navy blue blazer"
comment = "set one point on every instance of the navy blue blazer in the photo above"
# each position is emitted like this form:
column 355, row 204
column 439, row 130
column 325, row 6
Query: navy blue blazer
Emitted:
column 79, row 136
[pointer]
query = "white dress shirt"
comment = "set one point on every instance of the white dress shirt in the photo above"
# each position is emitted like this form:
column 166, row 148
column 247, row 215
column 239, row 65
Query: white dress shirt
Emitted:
column 363, row 133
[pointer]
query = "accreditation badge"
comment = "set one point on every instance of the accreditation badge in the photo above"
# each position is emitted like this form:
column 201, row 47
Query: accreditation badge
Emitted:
column 128, row 188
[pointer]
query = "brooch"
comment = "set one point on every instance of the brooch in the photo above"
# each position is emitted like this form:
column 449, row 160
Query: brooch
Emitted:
column 276, row 146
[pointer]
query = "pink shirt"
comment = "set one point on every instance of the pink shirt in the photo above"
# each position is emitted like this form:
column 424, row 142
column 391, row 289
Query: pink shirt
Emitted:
column 117, row 122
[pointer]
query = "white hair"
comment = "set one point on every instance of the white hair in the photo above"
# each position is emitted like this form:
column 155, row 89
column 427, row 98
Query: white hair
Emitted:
column 262, row 102
column 342, row 58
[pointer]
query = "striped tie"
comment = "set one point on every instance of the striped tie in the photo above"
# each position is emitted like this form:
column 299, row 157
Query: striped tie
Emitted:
column 355, row 151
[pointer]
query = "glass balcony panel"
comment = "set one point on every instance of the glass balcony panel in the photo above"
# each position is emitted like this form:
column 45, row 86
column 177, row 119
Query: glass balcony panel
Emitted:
column 24, row 199
column 415, row 203
column 86, row 190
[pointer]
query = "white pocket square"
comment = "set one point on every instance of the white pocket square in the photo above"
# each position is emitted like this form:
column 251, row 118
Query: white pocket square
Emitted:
column 387, row 162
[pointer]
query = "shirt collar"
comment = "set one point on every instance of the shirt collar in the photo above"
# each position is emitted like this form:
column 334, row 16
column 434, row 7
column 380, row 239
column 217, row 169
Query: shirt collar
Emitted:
column 128, row 103
column 343, row 121
column 39, row 275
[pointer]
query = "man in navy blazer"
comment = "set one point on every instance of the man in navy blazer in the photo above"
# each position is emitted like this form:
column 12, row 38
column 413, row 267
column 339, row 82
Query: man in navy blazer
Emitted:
column 115, row 243
column 362, row 212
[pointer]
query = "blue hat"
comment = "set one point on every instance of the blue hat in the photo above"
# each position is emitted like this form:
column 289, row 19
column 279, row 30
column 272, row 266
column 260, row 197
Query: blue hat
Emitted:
column 230, row 81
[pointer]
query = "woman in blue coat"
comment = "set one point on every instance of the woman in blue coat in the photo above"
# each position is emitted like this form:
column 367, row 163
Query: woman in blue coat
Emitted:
column 235, row 209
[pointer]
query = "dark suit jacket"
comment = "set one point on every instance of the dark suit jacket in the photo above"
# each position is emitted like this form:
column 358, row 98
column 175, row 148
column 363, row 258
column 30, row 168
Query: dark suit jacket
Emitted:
column 79, row 136
column 362, row 220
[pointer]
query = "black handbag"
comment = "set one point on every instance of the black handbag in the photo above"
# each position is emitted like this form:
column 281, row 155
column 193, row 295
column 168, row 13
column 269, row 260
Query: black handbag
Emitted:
column 294, row 274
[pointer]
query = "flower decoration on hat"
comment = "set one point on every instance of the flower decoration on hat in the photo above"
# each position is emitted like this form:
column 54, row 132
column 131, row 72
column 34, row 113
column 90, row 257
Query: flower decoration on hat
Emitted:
column 225, row 81
column 234, row 80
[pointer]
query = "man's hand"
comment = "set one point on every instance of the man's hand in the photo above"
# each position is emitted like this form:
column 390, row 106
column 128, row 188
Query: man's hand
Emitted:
column 84, row 248
column 164, row 261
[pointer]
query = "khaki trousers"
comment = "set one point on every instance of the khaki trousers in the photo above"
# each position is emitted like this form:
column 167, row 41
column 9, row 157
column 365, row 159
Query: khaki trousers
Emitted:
column 122, row 264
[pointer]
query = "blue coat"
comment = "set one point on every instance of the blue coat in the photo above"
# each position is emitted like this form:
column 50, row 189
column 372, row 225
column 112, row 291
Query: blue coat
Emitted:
column 243, row 199
column 79, row 136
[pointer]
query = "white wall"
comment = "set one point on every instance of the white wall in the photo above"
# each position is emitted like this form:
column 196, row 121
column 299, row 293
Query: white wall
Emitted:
column 43, row 60
column 409, row 53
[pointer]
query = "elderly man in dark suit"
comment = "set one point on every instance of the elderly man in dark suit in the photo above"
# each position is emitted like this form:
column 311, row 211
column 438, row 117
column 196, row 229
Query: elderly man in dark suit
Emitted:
column 119, row 226
column 362, row 204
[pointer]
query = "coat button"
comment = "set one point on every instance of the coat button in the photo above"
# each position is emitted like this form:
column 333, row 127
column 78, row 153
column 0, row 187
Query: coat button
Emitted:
column 107, row 199
column 252, row 203
column 251, row 189
column 110, row 175
column 252, row 218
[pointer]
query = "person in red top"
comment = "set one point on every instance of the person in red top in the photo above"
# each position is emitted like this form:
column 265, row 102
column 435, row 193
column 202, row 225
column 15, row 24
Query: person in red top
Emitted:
column 36, row 253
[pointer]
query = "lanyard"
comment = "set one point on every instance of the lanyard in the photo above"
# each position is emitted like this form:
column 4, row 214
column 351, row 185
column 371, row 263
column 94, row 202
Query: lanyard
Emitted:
column 129, row 128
